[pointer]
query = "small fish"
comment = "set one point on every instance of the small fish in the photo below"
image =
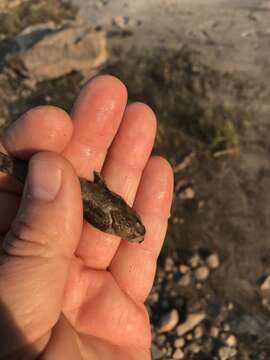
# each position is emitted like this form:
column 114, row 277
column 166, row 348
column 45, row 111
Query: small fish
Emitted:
column 104, row 209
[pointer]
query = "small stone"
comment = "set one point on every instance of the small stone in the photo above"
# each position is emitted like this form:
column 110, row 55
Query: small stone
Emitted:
column 227, row 327
column 169, row 321
column 231, row 341
column 230, row 306
column 194, row 261
column 198, row 332
column 170, row 276
column 185, row 280
column 189, row 337
column 169, row 351
column 156, row 352
column 160, row 340
column 214, row 332
column 187, row 194
column 191, row 322
column 169, row 264
column 202, row 273
column 155, row 297
column 213, row 261
column 178, row 354
column 121, row 21
column 266, row 284
column 226, row 353
column 194, row 348
column 179, row 343
column 183, row 269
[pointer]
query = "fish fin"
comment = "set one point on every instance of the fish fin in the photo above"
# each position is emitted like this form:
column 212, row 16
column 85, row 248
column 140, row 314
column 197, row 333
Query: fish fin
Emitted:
column 98, row 179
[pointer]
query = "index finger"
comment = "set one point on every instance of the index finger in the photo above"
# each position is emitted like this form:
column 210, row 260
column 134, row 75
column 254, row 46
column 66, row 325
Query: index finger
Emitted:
column 96, row 115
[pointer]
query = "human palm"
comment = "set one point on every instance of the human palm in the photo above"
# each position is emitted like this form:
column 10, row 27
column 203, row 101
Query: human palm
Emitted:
column 81, row 295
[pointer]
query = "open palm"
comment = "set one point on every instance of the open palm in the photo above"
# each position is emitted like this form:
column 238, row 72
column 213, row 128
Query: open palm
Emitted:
column 88, row 299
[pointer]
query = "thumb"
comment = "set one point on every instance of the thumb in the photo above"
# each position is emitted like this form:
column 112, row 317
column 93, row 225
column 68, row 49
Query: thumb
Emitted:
column 37, row 252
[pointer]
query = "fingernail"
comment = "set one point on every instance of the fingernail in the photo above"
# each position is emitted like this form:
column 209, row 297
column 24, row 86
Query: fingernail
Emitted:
column 44, row 180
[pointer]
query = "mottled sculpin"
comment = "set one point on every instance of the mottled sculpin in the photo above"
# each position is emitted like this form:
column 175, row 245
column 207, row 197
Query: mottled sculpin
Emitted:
column 104, row 209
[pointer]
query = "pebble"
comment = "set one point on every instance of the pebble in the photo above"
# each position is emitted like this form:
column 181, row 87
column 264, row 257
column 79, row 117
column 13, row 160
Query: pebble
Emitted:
column 185, row 280
column 169, row 321
column 178, row 354
column 169, row 264
column 187, row 193
column 179, row 343
column 201, row 273
column 214, row 331
column 227, row 327
column 231, row 341
column 213, row 261
column 266, row 284
column 198, row 332
column 183, row 269
column 191, row 322
column 121, row 21
column 194, row 348
column 226, row 353
column 156, row 352
column 161, row 339
column 194, row 261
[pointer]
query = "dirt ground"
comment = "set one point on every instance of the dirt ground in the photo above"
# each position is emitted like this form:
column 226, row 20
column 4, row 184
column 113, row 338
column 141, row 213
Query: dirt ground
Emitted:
column 204, row 67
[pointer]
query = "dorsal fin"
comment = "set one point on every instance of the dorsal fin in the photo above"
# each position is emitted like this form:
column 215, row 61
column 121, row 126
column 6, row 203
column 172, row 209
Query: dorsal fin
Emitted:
column 98, row 179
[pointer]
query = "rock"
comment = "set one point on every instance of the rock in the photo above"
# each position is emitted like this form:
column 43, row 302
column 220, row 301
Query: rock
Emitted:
column 226, row 353
column 185, row 280
column 169, row 321
column 226, row 327
column 190, row 323
column 179, row 343
column 198, row 332
column 187, row 194
column 120, row 21
column 266, row 284
column 231, row 341
column 183, row 269
column 61, row 52
column 214, row 331
column 178, row 354
column 169, row 351
column 169, row 264
column 194, row 261
column 202, row 273
column 161, row 339
column 156, row 352
column 194, row 348
column 213, row 261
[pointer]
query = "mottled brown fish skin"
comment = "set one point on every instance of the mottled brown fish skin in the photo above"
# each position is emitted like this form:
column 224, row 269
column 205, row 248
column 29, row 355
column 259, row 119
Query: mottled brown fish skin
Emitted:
column 104, row 209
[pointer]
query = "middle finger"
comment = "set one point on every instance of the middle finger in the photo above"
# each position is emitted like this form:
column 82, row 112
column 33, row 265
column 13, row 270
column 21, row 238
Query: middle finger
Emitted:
column 122, row 171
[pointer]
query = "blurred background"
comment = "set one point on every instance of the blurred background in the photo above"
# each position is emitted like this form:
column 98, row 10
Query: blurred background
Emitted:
column 204, row 67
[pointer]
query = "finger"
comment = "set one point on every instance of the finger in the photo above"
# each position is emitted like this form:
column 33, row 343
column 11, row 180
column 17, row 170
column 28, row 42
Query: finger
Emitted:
column 44, row 128
column 122, row 171
column 96, row 115
column 134, row 265
column 38, row 249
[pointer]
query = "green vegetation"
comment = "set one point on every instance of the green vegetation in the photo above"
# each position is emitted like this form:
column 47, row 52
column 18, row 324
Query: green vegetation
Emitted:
column 34, row 12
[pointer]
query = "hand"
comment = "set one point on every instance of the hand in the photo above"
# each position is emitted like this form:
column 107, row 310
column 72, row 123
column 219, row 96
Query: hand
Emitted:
column 67, row 290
